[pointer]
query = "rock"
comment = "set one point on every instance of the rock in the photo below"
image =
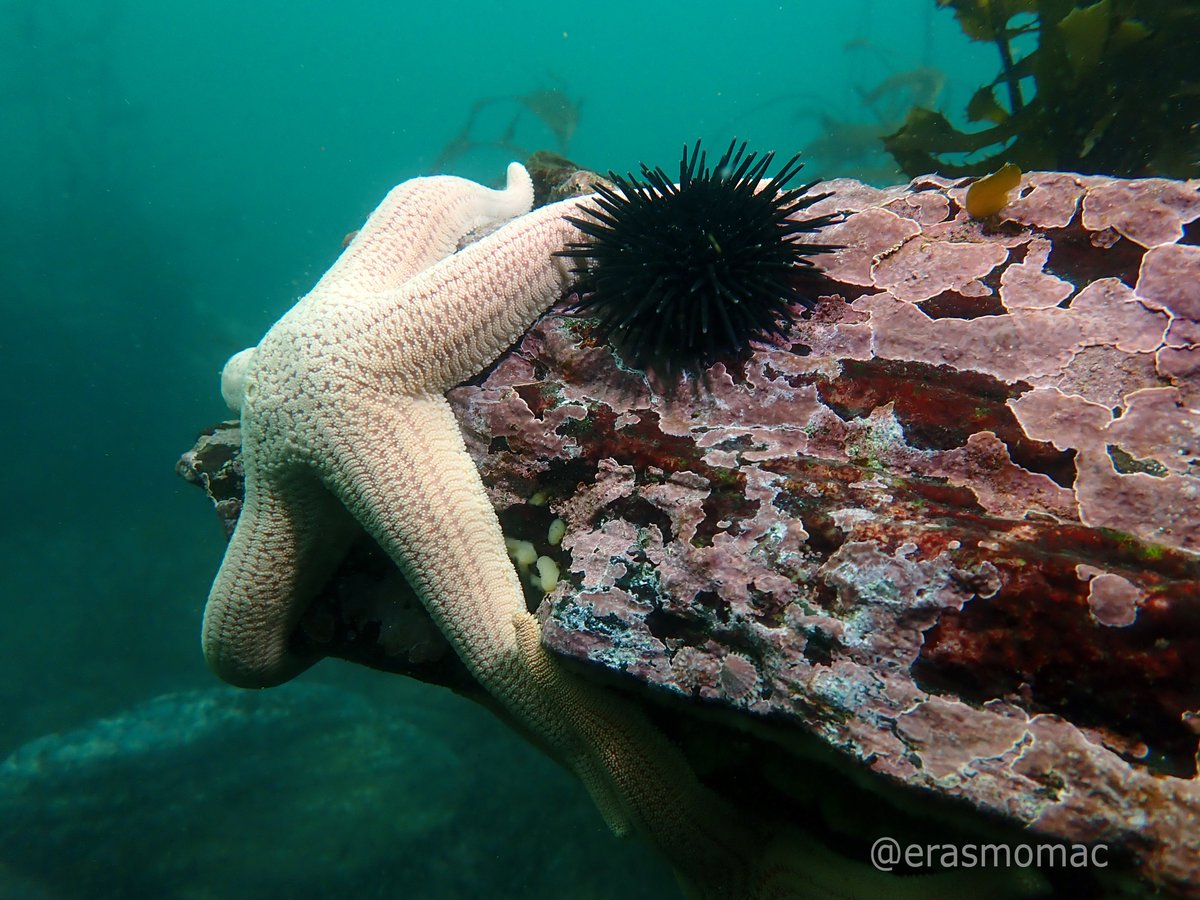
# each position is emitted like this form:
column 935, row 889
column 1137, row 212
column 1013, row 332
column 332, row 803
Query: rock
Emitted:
column 941, row 546
column 307, row 792
column 146, row 803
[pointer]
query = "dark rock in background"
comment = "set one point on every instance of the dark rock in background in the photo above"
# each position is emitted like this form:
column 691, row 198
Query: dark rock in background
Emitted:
column 184, row 772
column 307, row 791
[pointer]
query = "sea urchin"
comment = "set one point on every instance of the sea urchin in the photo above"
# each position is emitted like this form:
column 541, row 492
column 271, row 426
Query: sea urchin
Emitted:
column 678, row 275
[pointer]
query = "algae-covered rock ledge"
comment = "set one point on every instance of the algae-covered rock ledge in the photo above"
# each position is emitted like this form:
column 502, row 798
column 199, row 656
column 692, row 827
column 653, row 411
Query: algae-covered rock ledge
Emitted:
column 942, row 540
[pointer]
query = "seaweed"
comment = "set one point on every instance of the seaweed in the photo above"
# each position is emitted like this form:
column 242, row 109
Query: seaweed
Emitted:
column 557, row 111
column 1109, row 88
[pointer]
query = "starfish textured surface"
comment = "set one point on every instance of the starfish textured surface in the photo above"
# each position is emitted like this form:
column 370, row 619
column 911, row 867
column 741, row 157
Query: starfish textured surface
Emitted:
column 340, row 405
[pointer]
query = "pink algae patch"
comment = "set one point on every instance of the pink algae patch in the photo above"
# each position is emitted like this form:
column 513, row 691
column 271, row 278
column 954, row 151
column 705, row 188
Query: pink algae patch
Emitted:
column 1025, row 285
column 866, row 236
column 1047, row 200
column 1158, row 425
column 1113, row 600
column 1159, row 508
column 950, row 736
column 920, row 269
column 1113, row 314
column 1170, row 279
column 1148, row 211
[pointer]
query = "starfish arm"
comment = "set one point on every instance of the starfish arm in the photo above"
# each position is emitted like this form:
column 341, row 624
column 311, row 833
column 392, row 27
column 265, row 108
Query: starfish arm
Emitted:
column 420, row 222
column 289, row 538
column 455, row 318
column 400, row 466
column 638, row 779
column 424, row 503
column 420, row 496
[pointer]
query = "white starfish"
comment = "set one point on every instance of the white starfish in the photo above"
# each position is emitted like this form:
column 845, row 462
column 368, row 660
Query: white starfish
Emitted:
column 342, row 409
column 344, row 421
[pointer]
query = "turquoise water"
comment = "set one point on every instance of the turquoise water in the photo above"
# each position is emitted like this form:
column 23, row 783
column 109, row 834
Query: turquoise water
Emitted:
column 175, row 177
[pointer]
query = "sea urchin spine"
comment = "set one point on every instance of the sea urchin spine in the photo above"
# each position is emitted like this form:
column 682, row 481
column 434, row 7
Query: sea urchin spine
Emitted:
column 678, row 275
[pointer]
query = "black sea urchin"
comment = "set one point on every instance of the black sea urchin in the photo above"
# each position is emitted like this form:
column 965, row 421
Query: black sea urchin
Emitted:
column 680, row 275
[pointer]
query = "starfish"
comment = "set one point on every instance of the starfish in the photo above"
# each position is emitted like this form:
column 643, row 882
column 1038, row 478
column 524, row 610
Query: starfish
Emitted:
column 345, row 426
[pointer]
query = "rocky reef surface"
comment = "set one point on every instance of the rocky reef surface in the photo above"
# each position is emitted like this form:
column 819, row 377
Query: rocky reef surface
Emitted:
column 935, row 555
column 309, row 791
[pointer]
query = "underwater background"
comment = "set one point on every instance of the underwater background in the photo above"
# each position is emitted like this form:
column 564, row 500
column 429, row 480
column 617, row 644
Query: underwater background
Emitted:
column 175, row 177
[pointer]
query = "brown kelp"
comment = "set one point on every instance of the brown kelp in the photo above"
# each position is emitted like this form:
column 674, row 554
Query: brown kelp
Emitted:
column 1108, row 87
column 552, row 107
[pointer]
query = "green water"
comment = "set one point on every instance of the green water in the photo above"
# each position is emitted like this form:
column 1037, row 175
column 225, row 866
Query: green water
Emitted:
column 175, row 176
